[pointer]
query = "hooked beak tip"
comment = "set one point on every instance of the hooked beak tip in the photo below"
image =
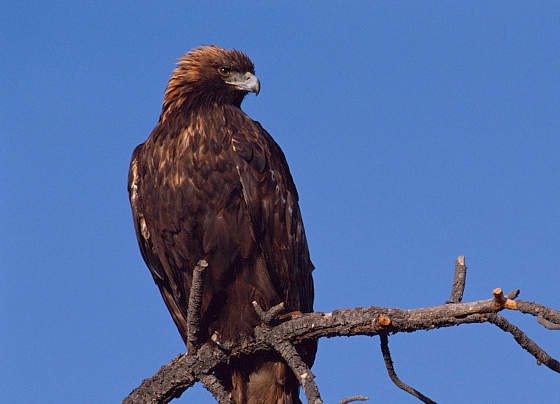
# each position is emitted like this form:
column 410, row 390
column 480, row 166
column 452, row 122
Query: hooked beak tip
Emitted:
column 252, row 84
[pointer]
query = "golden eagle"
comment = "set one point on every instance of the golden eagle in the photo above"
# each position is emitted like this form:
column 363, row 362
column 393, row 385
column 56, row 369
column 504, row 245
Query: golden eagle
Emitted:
column 210, row 183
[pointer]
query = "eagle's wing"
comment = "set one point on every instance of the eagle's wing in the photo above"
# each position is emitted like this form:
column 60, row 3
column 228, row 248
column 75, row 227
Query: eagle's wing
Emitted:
column 272, row 202
column 145, row 241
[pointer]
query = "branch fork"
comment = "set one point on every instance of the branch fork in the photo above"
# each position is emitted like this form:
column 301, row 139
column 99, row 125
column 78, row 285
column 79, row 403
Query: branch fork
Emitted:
column 288, row 352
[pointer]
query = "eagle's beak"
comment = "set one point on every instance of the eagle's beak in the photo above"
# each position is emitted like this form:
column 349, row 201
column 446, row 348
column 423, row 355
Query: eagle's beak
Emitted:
column 246, row 82
column 252, row 83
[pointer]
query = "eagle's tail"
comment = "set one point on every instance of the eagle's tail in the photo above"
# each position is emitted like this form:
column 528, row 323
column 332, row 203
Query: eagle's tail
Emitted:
column 264, row 382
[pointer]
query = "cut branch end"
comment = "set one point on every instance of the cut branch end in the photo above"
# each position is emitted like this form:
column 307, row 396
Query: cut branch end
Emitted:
column 383, row 321
column 503, row 301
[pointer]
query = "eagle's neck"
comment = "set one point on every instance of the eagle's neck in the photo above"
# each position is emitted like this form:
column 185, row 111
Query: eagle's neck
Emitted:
column 189, row 99
column 200, row 123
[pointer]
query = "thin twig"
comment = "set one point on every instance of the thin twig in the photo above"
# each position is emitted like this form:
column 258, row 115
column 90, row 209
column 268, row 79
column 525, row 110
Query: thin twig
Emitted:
column 459, row 280
column 353, row 398
column 267, row 317
column 393, row 374
column 513, row 294
column 524, row 341
column 547, row 324
column 195, row 303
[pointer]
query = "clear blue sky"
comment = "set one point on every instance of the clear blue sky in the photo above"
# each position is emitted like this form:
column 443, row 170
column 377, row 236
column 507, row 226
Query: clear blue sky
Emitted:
column 415, row 132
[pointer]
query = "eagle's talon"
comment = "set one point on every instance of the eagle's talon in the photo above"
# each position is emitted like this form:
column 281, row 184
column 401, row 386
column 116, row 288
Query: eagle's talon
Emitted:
column 290, row 315
column 216, row 341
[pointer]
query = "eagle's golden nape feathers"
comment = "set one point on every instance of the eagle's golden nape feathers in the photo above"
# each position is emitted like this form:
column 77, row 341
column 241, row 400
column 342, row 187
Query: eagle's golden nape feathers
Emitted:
column 210, row 183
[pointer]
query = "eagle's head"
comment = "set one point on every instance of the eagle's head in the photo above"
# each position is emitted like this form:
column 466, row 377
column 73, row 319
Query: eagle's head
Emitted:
column 211, row 75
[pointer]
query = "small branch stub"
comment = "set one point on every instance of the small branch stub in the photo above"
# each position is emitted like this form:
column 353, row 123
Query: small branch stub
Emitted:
column 513, row 294
column 267, row 317
column 499, row 296
column 459, row 280
column 383, row 321
column 502, row 301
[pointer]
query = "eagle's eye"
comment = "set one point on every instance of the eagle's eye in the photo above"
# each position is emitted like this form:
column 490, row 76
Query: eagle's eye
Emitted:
column 225, row 71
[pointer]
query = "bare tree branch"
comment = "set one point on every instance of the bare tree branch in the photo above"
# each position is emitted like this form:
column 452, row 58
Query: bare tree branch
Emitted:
column 179, row 375
column 513, row 294
column 301, row 370
column 214, row 386
column 526, row 343
column 195, row 302
column 538, row 310
column 353, row 398
column 547, row 324
column 393, row 375
column 289, row 353
column 267, row 317
column 282, row 336
column 459, row 280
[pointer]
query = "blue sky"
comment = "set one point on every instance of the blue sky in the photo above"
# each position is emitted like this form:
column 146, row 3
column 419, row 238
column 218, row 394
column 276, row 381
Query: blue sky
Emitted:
column 415, row 132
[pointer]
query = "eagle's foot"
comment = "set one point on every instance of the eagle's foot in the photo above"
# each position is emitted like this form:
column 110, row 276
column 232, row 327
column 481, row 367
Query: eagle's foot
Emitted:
column 216, row 340
column 290, row 315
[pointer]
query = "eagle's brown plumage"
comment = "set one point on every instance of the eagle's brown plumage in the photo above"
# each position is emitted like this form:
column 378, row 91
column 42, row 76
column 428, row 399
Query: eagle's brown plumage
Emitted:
column 210, row 183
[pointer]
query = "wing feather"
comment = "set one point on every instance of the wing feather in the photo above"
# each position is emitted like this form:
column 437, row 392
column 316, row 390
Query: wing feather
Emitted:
column 272, row 202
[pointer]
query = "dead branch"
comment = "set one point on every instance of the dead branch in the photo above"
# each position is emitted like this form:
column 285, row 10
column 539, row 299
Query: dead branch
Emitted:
column 281, row 336
column 288, row 352
column 353, row 398
column 214, row 386
column 267, row 317
column 195, row 302
column 525, row 342
column 513, row 294
column 301, row 370
column 547, row 324
column 459, row 280
column 540, row 311
column 393, row 375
